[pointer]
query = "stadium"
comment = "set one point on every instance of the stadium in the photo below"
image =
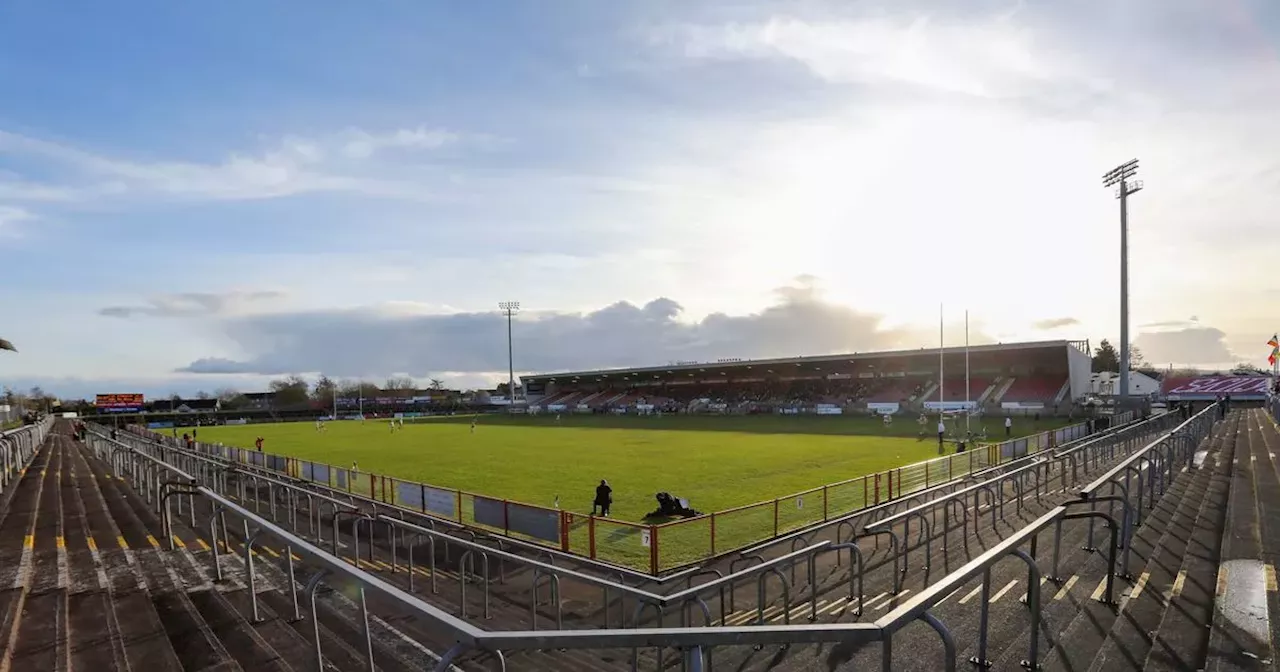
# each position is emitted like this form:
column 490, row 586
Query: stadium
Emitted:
column 855, row 494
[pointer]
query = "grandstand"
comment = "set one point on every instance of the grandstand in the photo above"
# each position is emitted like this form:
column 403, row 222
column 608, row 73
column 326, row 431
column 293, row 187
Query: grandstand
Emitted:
column 1043, row 376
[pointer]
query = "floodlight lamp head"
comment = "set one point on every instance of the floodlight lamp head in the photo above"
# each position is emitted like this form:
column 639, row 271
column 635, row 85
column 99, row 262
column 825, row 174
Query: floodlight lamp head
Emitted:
column 509, row 306
column 1120, row 173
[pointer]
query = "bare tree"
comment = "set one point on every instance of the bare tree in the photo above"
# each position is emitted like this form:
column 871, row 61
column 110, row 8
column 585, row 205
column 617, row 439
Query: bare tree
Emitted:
column 399, row 383
column 436, row 384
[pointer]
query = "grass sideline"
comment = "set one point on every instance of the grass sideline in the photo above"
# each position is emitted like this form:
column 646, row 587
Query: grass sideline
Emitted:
column 716, row 463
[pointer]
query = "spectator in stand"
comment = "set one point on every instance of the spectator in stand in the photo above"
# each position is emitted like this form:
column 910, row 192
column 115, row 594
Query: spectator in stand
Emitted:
column 1008, row 427
column 604, row 497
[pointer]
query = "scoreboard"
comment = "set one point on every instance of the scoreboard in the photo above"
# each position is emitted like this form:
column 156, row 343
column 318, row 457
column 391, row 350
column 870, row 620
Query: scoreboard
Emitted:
column 119, row 402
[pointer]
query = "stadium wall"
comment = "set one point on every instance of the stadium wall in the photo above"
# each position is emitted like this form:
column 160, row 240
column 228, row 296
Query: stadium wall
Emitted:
column 1080, row 370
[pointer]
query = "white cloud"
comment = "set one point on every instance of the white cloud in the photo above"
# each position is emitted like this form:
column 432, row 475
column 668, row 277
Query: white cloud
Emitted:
column 10, row 219
column 193, row 304
column 363, row 144
column 993, row 57
column 291, row 166
column 1191, row 345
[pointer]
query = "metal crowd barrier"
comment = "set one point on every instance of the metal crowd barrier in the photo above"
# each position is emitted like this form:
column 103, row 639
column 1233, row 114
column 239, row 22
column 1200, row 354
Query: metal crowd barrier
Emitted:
column 18, row 447
column 1158, row 461
column 695, row 641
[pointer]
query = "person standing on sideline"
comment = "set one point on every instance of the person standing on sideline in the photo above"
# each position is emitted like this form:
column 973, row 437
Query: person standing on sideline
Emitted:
column 1008, row 427
column 604, row 497
column 257, row 443
column 942, row 434
column 473, row 425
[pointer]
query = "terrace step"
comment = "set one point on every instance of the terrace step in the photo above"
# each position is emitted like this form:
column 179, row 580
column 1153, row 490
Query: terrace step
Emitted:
column 1084, row 641
column 1241, row 635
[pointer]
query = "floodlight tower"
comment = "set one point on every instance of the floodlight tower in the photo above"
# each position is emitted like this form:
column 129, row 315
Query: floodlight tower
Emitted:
column 1119, row 177
column 510, row 308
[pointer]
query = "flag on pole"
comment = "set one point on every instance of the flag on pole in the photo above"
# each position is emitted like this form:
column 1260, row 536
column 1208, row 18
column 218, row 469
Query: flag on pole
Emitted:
column 1275, row 350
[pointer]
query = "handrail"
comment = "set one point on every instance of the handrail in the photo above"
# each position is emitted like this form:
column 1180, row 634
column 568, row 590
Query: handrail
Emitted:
column 698, row 639
column 1091, row 489
column 754, row 569
column 545, row 568
column 1120, row 430
column 877, row 508
column 913, row 607
column 317, row 488
column 461, row 629
column 852, row 515
column 256, row 472
column 848, row 633
column 879, row 524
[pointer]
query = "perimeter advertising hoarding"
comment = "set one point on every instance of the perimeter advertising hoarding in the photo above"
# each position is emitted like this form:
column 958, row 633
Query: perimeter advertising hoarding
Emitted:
column 116, row 403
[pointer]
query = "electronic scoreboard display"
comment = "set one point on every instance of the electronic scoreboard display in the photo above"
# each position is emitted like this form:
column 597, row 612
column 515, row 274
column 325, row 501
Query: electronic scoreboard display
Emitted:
column 119, row 402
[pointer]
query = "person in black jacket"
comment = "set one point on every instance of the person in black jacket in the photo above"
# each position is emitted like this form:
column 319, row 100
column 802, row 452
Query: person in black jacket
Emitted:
column 604, row 497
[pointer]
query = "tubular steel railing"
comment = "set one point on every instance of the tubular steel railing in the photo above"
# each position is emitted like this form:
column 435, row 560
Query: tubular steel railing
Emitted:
column 1158, row 461
column 18, row 447
column 579, row 534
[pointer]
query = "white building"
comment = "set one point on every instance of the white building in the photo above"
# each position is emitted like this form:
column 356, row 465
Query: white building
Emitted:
column 1105, row 384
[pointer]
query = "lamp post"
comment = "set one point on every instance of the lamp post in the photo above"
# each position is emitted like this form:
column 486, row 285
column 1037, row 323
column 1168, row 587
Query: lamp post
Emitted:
column 510, row 308
column 1119, row 177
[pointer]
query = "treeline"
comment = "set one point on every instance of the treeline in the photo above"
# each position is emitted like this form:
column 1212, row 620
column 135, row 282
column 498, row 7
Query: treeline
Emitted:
column 292, row 390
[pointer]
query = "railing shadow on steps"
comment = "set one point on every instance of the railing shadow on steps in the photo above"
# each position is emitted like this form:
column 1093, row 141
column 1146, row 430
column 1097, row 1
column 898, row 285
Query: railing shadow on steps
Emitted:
column 696, row 642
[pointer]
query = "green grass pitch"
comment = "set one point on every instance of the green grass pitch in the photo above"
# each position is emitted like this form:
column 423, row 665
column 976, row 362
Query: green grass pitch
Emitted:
column 715, row 462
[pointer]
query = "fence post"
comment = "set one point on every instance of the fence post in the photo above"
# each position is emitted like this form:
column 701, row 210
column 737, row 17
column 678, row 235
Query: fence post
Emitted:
column 565, row 519
column 926, row 474
column 423, row 488
column 653, row 550
column 506, row 517
column 713, row 533
column 824, row 503
column 459, row 505
column 775, row 517
column 591, row 535
column 877, row 487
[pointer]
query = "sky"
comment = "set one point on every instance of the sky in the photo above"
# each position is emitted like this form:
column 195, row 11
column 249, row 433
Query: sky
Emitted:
column 206, row 195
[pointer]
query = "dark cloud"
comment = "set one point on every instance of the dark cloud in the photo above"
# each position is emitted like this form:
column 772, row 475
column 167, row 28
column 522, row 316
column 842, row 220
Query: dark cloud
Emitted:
column 1055, row 323
column 372, row 342
column 1190, row 345
column 189, row 304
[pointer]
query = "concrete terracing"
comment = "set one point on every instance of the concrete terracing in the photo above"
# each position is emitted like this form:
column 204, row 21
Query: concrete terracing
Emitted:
column 88, row 581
